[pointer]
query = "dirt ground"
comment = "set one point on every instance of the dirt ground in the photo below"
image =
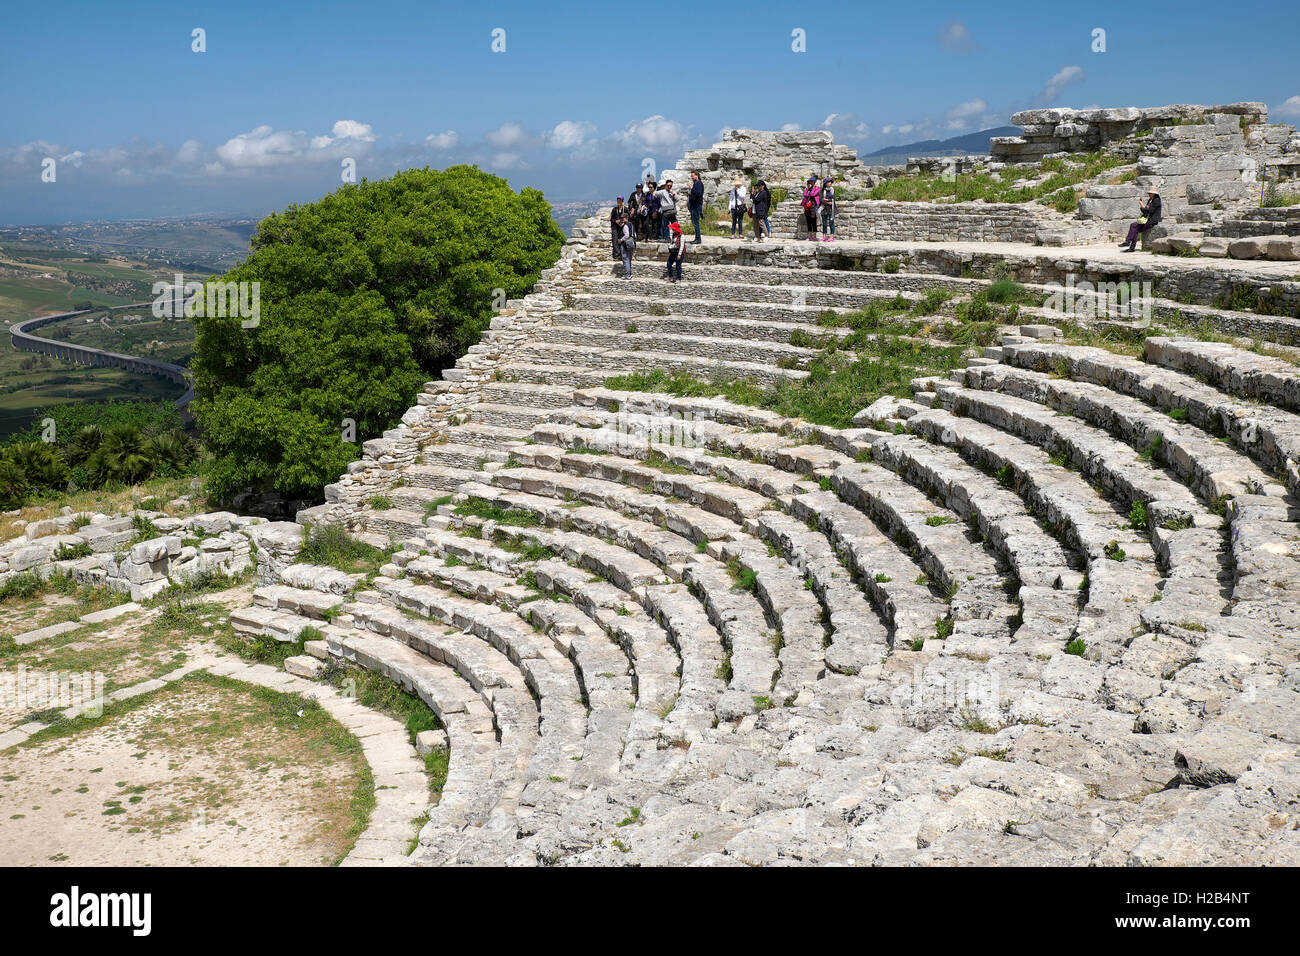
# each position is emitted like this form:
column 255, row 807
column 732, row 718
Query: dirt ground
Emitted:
column 206, row 772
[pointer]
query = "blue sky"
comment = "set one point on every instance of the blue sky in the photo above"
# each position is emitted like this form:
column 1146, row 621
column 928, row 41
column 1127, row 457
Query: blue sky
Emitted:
column 139, row 125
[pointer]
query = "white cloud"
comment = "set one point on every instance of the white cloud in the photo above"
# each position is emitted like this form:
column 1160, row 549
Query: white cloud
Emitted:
column 1062, row 78
column 1289, row 107
column 191, row 152
column 901, row 130
column 846, row 126
column 264, row 147
column 955, row 36
column 790, row 128
column 443, row 140
column 507, row 135
column 655, row 132
column 960, row 116
column 506, row 161
column 569, row 135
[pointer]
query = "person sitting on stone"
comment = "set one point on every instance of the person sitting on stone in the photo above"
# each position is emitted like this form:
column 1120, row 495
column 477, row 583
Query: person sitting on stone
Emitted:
column 1150, row 216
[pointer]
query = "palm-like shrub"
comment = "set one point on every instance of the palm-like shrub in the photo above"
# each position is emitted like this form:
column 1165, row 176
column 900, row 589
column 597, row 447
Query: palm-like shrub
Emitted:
column 122, row 457
column 169, row 452
column 83, row 444
column 40, row 464
column 13, row 483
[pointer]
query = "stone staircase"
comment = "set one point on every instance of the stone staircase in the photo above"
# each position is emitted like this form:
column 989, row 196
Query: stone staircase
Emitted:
column 1042, row 612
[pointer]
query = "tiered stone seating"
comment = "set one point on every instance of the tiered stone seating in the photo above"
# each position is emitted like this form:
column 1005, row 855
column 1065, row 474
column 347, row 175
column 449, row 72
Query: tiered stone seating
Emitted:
column 671, row 629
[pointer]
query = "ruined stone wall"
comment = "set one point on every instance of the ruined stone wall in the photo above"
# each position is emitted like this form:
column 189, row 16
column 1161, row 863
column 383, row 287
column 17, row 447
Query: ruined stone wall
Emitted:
column 782, row 158
column 1047, row 132
column 943, row 222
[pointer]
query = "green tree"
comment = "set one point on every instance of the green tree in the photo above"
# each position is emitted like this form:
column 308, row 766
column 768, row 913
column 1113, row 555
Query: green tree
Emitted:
column 365, row 294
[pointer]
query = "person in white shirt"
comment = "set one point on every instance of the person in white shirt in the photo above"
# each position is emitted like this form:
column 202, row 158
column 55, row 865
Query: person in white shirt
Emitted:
column 736, row 203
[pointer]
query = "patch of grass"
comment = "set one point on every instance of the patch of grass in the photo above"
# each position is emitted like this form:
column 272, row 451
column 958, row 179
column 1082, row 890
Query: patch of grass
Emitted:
column 1077, row 647
column 513, row 517
column 331, row 545
column 1114, row 551
column 1138, row 519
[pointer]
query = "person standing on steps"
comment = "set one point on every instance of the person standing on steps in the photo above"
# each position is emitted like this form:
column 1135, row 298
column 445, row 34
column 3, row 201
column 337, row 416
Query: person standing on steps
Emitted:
column 667, row 207
column 811, row 198
column 762, row 200
column 695, row 203
column 762, row 209
column 736, row 205
column 828, row 210
column 652, row 213
column 617, row 216
column 676, row 249
column 627, row 246
column 1150, row 216
column 634, row 207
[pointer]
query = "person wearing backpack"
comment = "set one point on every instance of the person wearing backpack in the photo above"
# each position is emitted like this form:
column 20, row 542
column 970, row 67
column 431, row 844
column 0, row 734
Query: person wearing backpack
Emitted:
column 736, row 204
column 811, row 198
column 627, row 247
column 762, row 206
column 676, row 250
column 828, row 210
column 695, row 203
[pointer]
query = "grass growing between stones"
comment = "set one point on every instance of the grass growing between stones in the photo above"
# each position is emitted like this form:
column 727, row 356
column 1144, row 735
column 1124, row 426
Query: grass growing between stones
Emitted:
column 28, row 601
column 875, row 359
column 1067, row 173
column 331, row 545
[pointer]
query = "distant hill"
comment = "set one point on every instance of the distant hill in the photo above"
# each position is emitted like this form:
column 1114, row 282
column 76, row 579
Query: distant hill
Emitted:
column 969, row 143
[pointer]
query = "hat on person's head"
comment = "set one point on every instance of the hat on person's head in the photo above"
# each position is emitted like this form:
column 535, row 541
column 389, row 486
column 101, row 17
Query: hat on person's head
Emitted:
column 620, row 198
column 675, row 227
column 812, row 179
column 737, row 181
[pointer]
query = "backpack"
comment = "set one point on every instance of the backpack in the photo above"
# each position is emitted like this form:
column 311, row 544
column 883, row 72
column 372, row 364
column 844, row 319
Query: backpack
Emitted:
column 629, row 242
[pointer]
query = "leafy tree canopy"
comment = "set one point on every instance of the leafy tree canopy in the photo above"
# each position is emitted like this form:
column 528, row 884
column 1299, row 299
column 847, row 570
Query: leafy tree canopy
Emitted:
column 365, row 294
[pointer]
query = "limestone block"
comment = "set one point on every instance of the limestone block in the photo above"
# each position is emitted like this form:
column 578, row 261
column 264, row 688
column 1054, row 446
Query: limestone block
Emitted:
column 1253, row 247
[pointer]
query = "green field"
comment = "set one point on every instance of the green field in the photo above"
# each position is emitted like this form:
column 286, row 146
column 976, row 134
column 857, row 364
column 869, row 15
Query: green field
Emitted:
column 39, row 281
column 129, row 331
column 29, row 382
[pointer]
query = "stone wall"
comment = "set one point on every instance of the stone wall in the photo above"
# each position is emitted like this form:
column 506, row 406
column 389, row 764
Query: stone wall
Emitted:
column 782, row 158
column 1047, row 132
column 943, row 222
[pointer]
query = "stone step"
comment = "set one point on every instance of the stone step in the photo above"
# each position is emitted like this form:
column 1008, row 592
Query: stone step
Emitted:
column 610, row 362
column 534, row 394
column 731, row 326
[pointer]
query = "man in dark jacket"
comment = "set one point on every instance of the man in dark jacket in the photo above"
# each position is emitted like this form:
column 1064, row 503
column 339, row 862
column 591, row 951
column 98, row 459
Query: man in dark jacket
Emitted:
column 696, row 204
column 762, row 198
column 1150, row 217
column 617, row 216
